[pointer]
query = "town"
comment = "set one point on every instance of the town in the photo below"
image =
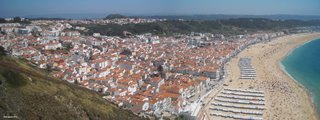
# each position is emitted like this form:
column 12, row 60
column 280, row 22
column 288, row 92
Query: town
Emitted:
column 146, row 73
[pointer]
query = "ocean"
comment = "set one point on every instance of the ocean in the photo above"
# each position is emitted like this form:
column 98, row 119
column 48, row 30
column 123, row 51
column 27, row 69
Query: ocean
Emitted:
column 303, row 64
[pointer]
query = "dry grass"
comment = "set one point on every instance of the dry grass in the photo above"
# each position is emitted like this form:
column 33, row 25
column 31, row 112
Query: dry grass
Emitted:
column 30, row 93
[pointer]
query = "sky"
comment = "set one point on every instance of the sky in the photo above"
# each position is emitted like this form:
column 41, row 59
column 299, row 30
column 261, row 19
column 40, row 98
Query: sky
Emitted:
column 11, row 8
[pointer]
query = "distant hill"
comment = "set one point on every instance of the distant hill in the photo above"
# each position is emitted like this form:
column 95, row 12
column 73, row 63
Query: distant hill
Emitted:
column 28, row 93
column 115, row 16
column 44, row 18
column 187, row 17
column 223, row 16
column 68, row 16
column 224, row 26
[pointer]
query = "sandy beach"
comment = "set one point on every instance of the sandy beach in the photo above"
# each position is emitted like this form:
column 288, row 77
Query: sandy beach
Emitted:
column 285, row 99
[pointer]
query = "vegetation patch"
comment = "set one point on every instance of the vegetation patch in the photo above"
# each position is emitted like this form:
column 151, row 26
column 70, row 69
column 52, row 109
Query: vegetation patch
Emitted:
column 14, row 79
column 48, row 98
column 226, row 27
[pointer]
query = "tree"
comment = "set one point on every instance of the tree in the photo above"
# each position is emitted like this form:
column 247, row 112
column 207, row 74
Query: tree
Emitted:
column 160, row 68
column 2, row 20
column 3, row 52
column 180, row 117
column 115, row 16
column 17, row 19
column 161, row 72
column 49, row 68
column 126, row 52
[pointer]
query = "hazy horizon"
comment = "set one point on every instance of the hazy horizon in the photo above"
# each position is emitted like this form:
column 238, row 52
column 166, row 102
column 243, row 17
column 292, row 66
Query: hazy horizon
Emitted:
column 11, row 8
column 174, row 16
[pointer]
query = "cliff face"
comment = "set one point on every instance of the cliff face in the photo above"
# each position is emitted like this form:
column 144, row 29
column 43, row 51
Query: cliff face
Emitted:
column 29, row 93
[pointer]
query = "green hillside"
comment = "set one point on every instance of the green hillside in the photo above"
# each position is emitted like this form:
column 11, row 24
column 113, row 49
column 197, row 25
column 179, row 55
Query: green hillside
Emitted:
column 28, row 93
column 226, row 27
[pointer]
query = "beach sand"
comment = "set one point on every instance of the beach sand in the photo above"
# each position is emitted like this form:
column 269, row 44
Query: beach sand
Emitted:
column 285, row 99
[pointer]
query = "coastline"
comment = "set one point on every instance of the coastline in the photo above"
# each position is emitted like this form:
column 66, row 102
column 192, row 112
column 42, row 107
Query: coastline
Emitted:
column 303, row 87
column 283, row 68
column 285, row 97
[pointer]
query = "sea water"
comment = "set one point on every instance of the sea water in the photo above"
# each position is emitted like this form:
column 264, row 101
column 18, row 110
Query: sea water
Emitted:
column 303, row 64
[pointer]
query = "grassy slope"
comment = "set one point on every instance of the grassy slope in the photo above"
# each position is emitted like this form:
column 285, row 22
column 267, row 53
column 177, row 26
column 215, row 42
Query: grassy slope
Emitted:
column 30, row 94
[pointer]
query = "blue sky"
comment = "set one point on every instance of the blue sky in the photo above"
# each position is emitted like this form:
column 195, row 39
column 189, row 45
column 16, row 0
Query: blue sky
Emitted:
column 159, row 7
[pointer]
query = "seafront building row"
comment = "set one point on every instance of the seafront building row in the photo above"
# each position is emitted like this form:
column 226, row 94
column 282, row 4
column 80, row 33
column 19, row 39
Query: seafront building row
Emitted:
column 145, row 73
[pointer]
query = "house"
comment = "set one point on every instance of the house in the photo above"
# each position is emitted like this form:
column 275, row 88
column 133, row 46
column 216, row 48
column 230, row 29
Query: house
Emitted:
column 99, row 63
column 204, row 82
column 96, row 34
column 42, row 64
column 156, row 82
column 133, row 86
column 52, row 46
column 161, row 103
column 102, row 73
